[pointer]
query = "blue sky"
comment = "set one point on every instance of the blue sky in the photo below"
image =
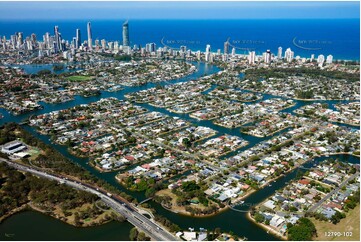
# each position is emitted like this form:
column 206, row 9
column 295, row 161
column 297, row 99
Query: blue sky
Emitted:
column 177, row 10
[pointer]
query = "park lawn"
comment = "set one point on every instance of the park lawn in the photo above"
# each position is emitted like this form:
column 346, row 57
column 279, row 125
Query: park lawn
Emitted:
column 33, row 152
column 349, row 224
column 79, row 78
column 175, row 207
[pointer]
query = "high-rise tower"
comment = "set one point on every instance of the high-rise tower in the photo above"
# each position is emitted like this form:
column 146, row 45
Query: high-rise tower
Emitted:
column 126, row 34
column 78, row 39
column 57, row 39
column 279, row 53
column 90, row 40
column 226, row 48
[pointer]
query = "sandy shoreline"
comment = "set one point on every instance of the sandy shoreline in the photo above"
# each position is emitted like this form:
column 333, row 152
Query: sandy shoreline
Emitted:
column 269, row 229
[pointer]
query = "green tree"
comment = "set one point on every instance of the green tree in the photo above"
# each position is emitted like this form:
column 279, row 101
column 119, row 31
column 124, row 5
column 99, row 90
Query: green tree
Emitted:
column 133, row 234
column 259, row 218
column 150, row 192
column 303, row 230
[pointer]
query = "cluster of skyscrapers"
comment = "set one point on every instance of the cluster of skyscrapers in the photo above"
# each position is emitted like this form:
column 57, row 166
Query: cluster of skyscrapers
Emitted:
column 288, row 56
column 55, row 43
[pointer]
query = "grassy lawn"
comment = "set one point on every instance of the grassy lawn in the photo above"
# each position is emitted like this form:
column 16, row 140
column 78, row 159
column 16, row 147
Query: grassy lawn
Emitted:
column 86, row 221
column 175, row 207
column 33, row 152
column 79, row 78
column 349, row 224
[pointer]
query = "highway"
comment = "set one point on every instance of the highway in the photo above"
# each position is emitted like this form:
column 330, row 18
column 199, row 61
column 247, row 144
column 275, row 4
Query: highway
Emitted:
column 149, row 227
column 314, row 207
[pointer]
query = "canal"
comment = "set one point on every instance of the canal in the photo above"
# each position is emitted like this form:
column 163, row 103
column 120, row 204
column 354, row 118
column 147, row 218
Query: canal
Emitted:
column 228, row 220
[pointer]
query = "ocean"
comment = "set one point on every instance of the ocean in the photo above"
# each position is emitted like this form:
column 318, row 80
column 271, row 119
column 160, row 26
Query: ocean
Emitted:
column 338, row 37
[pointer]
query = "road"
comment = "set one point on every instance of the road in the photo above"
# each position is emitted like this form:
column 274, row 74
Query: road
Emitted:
column 314, row 207
column 149, row 227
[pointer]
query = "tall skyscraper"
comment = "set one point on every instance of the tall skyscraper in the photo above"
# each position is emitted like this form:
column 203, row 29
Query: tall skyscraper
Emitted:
column 125, row 34
column 251, row 57
column 97, row 45
column 20, row 38
column 329, row 59
column 150, row 47
column 226, row 47
column 47, row 40
column 198, row 54
column 268, row 57
column 78, row 39
column 14, row 39
column 90, row 40
column 289, row 54
column 279, row 53
column 73, row 43
column 116, row 45
column 320, row 59
column 57, row 39
column 104, row 44
column 208, row 52
column 33, row 38
column 183, row 48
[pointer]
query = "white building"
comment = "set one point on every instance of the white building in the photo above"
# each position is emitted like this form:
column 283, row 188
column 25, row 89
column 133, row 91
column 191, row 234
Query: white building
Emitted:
column 13, row 147
column 279, row 53
column 268, row 58
column 251, row 57
column 198, row 55
column 312, row 57
column 289, row 54
column 329, row 59
column 320, row 59
column 208, row 52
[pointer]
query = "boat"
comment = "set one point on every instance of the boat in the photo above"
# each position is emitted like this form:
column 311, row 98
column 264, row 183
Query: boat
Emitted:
column 9, row 235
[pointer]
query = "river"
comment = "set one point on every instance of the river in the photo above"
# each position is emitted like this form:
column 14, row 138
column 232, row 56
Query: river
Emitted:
column 228, row 220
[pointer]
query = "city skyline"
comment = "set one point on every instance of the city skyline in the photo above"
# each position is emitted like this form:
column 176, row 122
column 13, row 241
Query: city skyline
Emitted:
column 178, row 10
column 60, row 44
